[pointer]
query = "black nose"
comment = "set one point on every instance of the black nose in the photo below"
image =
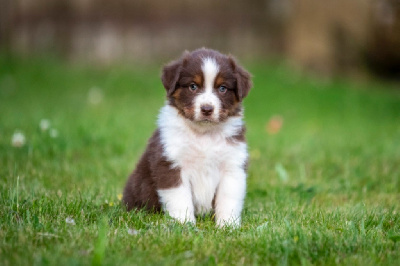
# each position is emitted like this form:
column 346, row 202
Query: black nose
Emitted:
column 207, row 109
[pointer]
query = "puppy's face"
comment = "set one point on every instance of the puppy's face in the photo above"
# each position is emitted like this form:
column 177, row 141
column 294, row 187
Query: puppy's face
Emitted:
column 206, row 86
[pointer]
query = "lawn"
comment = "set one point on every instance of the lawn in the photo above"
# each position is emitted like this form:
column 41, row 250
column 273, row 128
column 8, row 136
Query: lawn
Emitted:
column 322, row 189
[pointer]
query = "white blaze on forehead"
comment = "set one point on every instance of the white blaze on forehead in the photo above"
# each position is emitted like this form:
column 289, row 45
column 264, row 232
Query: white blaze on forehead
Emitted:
column 210, row 70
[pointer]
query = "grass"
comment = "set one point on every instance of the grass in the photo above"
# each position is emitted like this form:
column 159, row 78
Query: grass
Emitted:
column 324, row 190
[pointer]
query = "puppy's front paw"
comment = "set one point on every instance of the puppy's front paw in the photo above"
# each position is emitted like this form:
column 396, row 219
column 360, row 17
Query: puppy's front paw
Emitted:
column 183, row 217
column 229, row 221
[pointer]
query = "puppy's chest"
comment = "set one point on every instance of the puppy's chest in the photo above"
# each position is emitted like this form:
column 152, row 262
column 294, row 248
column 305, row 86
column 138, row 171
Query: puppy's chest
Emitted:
column 202, row 161
column 200, row 153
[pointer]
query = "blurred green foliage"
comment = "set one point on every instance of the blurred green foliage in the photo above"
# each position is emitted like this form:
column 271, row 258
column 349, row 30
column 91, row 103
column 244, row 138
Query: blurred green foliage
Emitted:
column 338, row 150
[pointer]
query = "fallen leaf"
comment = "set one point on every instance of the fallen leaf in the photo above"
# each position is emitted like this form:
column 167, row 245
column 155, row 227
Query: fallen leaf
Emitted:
column 274, row 125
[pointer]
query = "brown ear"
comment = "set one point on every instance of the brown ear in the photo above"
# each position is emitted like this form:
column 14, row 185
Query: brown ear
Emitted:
column 243, row 79
column 170, row 76
column 171, row 72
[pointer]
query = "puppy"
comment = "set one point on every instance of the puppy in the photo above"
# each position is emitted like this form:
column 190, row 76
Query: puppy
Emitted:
column 196, row 160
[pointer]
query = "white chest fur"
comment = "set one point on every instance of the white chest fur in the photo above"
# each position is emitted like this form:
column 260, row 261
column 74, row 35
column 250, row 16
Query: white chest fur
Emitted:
column 203, row 157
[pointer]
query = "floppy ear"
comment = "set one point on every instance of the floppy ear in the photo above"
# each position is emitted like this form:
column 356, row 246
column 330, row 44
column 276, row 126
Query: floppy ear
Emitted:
column 243, row 79
column 170, row 76
column 171, row 72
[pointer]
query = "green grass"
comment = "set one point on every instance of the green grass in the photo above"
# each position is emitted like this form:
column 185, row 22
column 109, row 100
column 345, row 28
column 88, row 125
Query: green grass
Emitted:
column 324, row 190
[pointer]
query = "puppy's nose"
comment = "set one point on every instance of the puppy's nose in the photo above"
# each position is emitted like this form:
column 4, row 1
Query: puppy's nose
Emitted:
column 207, row 109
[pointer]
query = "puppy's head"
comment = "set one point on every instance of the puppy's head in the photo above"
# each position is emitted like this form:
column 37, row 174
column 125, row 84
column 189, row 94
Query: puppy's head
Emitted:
column 206, row 86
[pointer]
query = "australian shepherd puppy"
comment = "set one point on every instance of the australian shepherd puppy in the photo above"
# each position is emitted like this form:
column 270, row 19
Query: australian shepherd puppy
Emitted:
column 196, row 160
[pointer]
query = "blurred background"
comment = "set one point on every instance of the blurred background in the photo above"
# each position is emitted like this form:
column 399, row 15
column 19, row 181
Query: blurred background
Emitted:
column 79, row 95
column 326, row 37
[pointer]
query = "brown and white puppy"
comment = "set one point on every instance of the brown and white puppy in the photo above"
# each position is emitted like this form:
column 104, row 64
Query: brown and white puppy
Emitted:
column 195, row 162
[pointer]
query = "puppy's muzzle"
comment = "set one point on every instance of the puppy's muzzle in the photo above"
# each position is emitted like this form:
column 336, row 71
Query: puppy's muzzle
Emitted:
column 207, row 109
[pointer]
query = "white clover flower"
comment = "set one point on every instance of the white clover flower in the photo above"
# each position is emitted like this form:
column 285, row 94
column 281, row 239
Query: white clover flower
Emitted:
column 53, row 133
column 132, row 231
column 95, row 96
column 262, row 227
column 18, row 139
column 44, row 124
column 70, row 221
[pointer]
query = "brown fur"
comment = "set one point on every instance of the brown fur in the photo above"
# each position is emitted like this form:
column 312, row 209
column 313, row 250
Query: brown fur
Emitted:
column 239, row 137
column 179, row 74
column 152, row 172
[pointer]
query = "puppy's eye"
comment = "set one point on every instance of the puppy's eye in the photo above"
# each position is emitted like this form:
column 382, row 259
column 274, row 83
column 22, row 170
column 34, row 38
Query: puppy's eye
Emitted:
column 193, row 87
column 222, row 89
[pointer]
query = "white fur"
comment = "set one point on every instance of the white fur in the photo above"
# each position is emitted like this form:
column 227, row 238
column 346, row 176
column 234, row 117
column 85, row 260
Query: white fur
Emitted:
column 209, row 163
column 178, row 202
column 210, row 70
